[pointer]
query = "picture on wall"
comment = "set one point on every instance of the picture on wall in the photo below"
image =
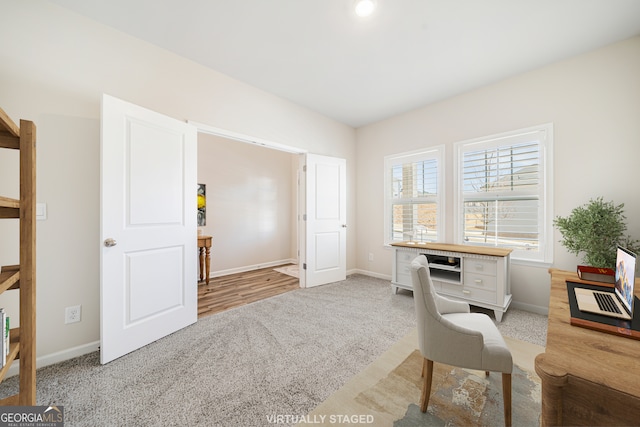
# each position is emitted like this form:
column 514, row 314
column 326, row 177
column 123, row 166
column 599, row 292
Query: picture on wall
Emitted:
column 202, row 205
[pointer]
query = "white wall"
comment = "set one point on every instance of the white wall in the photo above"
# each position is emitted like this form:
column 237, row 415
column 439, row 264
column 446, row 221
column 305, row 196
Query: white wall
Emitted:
column 593, row 101
column 250, row 194
column 54, row 66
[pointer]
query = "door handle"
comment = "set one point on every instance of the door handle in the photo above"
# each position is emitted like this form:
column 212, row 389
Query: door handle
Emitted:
column 110, row 242
column 344, row 225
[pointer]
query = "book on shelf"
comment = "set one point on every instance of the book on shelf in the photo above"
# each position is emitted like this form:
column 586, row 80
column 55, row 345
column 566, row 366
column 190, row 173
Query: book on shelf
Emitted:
column 7, row 331
column 3, row 341
column 596, row 274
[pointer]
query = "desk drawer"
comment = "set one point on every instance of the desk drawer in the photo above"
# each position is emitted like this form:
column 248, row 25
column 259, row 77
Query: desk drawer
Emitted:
column 405, row 257
column 404, row 279
column 480, row 295
column 480, row 281
column 470, row 294
column 480, row 266
column 403, row 266
column 449, row 288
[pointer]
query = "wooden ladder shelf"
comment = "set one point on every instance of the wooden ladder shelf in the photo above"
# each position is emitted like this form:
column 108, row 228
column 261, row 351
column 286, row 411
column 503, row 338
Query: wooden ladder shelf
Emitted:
column 22, row 277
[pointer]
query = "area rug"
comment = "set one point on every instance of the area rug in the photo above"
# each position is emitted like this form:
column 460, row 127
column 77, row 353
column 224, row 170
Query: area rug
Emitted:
column 387, row 392
column 289, row 270
column 459, row 397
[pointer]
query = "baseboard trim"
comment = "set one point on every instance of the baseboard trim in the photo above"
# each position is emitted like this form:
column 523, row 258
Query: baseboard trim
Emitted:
column 370, row 274
column 244, row 269
column 530, row 308
column 251, row 267
column 60, row 356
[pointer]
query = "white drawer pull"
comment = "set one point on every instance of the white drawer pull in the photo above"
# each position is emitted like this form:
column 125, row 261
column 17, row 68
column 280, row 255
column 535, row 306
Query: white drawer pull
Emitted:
column 479, row 267
column 466, row 292
column 478, row 281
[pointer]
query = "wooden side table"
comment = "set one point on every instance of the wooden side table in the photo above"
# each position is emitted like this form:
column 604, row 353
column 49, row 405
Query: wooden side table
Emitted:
column 204, row 249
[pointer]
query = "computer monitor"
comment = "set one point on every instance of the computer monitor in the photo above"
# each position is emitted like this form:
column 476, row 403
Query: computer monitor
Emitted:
column 625, row 276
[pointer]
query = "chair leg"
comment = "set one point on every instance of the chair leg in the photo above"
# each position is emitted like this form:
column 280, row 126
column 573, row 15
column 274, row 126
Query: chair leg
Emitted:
column 427, row 369
column 506, row 397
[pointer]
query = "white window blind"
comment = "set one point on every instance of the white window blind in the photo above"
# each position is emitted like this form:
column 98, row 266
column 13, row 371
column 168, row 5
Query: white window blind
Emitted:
column 502, row 185
column 413, row 194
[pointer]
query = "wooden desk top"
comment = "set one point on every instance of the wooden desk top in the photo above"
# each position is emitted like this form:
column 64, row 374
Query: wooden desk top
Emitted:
column 605, row 360
column 467, row 249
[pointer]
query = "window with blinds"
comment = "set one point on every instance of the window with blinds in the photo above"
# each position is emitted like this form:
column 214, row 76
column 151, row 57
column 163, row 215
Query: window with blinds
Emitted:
column 413, row 194
column 502, row 189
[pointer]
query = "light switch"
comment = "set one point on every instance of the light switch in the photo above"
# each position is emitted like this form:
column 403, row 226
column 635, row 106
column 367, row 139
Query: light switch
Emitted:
column 41, row 211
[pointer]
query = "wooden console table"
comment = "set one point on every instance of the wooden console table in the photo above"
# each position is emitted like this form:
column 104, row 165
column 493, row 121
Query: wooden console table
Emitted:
column 588, row 377
column 204, row 249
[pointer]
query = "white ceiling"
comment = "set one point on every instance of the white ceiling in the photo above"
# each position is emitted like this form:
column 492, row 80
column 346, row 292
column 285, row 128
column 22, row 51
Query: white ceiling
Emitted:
column 409, row 53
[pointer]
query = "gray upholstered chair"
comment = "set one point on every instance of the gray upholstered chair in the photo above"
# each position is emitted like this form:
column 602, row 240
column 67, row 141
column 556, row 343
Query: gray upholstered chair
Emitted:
column 448, row 333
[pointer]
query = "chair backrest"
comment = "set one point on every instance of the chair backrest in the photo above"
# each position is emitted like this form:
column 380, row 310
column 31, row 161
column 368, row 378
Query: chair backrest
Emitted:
column 420, row 275
column 439, row 338
column 425, row 302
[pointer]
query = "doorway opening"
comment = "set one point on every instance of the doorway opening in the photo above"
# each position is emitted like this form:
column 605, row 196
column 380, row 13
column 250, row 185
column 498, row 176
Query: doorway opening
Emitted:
column 252, row 215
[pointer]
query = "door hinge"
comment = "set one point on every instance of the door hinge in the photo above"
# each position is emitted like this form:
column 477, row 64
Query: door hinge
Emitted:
column 304, row 266
column 304, row 168
column 304, row 217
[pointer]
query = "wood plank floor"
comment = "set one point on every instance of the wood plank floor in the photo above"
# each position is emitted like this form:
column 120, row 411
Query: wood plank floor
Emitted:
column 234, row 290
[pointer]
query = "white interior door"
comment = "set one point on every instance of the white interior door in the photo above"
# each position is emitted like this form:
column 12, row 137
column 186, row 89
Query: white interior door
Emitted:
column 148, row 260
column 326, row 220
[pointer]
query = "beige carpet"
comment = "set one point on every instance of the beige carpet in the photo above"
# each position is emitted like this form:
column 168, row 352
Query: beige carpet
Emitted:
column 387, row 391
column 246, row 366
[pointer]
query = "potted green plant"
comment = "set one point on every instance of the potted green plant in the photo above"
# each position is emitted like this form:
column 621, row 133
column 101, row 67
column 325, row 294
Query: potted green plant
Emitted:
column 596, row 229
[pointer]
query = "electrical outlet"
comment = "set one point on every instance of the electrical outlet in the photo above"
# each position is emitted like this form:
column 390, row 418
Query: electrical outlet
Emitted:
column 72, row 314
column 370, row 257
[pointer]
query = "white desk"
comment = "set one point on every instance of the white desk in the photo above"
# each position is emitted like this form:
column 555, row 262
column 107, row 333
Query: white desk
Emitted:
column 477, row 275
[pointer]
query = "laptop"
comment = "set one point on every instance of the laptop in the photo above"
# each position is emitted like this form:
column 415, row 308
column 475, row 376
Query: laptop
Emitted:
column 619, row 303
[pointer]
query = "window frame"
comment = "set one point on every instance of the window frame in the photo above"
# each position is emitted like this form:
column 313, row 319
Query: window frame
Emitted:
column 544, row 192
column 434, row 152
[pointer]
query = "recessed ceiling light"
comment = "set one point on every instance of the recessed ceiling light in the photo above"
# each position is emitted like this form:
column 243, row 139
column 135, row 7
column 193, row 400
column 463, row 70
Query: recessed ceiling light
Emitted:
column 365, row 8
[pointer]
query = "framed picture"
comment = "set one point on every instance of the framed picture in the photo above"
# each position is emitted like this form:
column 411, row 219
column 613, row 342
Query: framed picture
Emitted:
column 202, row 205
